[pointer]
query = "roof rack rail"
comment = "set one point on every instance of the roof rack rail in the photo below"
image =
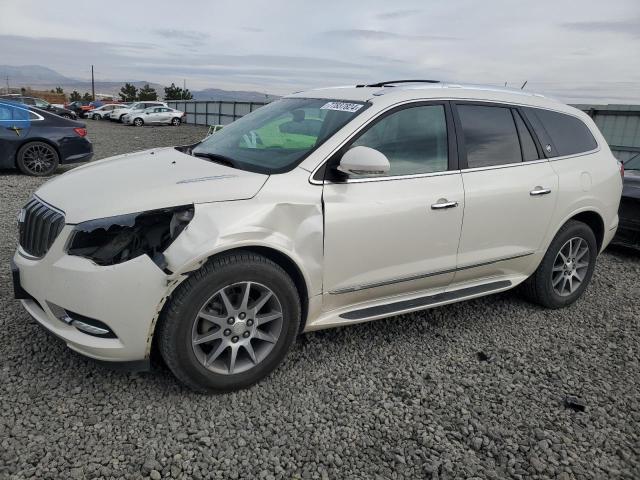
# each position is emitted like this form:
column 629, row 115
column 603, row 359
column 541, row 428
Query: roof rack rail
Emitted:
column 390, row 83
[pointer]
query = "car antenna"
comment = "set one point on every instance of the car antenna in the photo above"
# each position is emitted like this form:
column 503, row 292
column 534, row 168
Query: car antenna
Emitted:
column 522, row 87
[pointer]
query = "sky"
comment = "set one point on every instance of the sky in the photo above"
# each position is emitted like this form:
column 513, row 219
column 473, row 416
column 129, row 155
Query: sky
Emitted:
column 578, row 51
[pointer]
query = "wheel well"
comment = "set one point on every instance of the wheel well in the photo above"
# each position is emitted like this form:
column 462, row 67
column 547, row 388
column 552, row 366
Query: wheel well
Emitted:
column 594, row 222
column 292, row 270
column 31, row 140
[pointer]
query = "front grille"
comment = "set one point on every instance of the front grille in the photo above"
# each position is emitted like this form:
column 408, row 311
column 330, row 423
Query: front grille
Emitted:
column 39, row 225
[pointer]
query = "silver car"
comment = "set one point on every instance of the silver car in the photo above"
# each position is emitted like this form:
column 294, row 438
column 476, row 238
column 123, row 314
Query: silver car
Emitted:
column 154, row 116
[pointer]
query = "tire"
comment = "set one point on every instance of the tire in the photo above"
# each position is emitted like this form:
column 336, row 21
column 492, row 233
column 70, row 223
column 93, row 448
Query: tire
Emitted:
column 181, row 326
column 176, row 122
column 67, row 116
column 37, row 159
column 96, row 116
column 540, row 289
column 138, row 122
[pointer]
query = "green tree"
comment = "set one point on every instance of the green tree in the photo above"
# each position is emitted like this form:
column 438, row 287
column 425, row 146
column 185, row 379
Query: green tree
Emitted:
column 59, row 90
column 75, row 96
column 128, row 93
column 87, row 97
column 177, row 93
column 147, row 93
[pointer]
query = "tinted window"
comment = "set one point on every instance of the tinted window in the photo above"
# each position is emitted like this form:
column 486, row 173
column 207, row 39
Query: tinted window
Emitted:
column 413, row 139
column 568, row 134
column 490, row 135
column 529, row 151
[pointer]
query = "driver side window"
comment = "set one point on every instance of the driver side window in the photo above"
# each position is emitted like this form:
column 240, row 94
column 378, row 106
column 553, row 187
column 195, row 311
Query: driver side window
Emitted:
column 413, row 139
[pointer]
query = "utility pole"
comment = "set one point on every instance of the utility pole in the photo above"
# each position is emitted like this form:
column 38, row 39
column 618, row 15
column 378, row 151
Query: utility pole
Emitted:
column 8, row 88
column 184, row 87
column 93, row 85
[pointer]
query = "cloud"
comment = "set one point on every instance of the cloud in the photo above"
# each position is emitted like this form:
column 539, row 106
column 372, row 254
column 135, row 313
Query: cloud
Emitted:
column 364, row 34
column 397, row 14
column 631, row 27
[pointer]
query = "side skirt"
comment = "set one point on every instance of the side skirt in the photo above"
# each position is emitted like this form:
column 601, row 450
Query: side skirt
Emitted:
column 424, row 302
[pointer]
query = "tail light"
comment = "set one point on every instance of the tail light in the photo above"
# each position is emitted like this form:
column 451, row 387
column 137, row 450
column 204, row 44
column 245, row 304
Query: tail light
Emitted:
column 184, row 114
column 81, row 131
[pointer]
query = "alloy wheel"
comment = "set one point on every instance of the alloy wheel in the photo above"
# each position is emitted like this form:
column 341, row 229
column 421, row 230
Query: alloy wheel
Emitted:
column 570, row 266
column 237, row 328
column 39, row 158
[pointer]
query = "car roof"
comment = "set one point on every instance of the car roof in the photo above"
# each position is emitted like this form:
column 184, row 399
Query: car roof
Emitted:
column 393, row 92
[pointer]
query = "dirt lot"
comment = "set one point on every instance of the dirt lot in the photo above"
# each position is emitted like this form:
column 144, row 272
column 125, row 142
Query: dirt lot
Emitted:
column 473, row 390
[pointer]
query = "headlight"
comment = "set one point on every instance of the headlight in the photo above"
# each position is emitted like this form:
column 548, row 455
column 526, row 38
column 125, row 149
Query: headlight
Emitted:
column 113, row 240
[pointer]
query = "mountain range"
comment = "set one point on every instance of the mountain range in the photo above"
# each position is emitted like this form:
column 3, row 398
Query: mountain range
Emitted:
column 39, row 77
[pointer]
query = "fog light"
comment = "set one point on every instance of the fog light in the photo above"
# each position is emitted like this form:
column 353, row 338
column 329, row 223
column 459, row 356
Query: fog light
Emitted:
column 90, row 329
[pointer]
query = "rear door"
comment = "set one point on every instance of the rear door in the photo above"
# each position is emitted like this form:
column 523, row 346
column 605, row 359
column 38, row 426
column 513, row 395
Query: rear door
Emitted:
column 510, row 190
column 15, row 124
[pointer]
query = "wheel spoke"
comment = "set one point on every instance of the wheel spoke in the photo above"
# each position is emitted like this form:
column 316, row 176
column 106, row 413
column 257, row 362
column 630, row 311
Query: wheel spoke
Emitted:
column 233, row 358
column 269, row 317
column 267, row 337
column 582, row 254
column 556, row 281
column 570, row 282
column 262, row 300
column 215, row 354
column 227, row 303
column 244, row 304
column 564, row 283
column 252, row 354
column 208, row 337
column 212, row 318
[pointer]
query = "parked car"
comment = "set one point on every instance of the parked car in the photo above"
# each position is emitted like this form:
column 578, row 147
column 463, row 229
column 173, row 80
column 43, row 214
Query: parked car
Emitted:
column 42, row 104
column 154, row 116
column 103, row 112
column 36, row 141
column 117, row 115
column 629, row 230
column 80, row 107
column 322, row 209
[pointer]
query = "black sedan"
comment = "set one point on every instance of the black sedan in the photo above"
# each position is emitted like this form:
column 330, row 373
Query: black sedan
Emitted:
column 629, row 227
column 36, row 141
column 41, row 104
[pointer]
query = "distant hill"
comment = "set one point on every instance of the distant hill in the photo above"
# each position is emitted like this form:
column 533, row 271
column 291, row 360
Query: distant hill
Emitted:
column 43, row 78
column 232, row 95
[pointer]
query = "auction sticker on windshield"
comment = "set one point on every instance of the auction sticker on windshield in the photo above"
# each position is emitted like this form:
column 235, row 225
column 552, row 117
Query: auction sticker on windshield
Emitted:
column 342, row 106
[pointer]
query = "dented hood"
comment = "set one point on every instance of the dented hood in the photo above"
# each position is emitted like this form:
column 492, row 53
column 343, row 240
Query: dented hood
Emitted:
column 147, row 180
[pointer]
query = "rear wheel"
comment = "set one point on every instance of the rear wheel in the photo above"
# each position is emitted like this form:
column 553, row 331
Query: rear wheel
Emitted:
column 37, row 159
column 566, row 269
column 96, row 116
column 176, row 121
column 230, row 324
column 138, row 122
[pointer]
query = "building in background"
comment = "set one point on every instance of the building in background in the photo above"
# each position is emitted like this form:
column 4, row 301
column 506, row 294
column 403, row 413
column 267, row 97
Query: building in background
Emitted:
column 620, row 125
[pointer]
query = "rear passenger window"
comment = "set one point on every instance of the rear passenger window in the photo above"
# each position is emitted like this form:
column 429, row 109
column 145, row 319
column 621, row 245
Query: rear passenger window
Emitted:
column 529, row 151
column 490, row 135
column 568, row 134
column 414, row 140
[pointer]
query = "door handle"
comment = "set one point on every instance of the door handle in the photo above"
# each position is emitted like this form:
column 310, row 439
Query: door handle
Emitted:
column 539, row 191
column 443, row 203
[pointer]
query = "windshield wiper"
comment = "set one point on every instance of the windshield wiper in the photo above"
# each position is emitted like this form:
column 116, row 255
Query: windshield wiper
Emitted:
column 216, row 157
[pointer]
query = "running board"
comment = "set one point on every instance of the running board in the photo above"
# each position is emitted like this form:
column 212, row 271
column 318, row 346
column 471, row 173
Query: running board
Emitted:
column 416, row 303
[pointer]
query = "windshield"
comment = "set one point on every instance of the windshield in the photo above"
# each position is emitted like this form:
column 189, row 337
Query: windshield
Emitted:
column 633, row 163
column 278, row 136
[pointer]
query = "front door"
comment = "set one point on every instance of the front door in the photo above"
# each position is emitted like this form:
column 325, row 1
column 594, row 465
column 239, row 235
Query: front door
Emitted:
column 510, row 191
column 399, row 233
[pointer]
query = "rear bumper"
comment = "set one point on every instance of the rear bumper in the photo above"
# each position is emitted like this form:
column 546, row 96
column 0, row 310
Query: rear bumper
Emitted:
column 76, row 150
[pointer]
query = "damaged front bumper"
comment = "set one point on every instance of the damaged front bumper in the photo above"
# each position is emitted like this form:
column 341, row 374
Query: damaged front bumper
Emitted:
column 77, row 300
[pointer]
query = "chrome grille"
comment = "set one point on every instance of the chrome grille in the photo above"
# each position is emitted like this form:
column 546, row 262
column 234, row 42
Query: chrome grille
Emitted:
column 39, row 226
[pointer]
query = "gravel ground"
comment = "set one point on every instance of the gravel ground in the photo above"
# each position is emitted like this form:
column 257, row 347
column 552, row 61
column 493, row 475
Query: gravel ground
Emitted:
column 473, row 390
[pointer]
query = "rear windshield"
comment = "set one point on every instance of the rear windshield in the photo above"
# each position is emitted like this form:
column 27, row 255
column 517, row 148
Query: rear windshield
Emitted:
column 278, row 136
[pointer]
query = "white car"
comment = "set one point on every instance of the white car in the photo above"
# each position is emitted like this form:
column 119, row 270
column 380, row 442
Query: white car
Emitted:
column 154, row 116
column 103, row 112
column 322, row 209
column 117, row 115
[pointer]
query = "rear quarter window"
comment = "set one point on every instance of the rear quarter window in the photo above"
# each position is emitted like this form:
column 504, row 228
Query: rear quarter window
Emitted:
column 561, row 134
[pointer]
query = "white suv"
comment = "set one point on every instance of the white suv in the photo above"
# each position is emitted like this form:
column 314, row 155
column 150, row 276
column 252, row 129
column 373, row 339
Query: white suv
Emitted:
column 325, row 208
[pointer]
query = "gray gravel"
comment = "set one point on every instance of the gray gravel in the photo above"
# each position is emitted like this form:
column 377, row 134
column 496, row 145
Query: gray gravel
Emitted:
column 473, row 390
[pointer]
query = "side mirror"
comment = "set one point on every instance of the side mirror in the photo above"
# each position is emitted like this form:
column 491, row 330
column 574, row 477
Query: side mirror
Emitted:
column 364, row 161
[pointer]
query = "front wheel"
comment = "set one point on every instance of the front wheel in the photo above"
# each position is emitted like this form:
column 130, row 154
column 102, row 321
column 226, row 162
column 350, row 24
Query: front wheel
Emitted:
column 96, row 116
column 175, row 121
column 138, row 122
column 566, row 269
column 230, row 324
